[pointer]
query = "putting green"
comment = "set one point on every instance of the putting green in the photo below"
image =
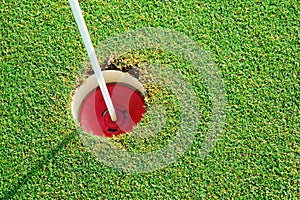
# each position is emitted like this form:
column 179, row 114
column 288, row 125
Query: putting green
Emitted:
column 256, row 48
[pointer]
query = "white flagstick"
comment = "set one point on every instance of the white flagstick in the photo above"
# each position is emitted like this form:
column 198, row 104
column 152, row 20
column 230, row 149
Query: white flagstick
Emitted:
column 92, row 55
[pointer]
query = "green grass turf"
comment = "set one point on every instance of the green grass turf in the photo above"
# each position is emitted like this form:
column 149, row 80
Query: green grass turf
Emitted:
column 256, row 48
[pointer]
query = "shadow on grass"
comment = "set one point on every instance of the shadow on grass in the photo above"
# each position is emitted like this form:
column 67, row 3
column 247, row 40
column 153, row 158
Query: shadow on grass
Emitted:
column 10, row 193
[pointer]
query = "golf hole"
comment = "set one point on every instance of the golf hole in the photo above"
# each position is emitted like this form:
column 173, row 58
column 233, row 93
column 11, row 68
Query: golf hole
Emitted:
column 89, row 109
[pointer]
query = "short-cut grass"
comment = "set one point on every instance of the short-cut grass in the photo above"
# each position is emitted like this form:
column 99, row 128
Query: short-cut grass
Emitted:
column 256, row 48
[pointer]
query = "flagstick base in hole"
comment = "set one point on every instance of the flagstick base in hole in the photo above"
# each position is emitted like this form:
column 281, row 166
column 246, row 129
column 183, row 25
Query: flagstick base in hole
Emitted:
column 90, row 111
